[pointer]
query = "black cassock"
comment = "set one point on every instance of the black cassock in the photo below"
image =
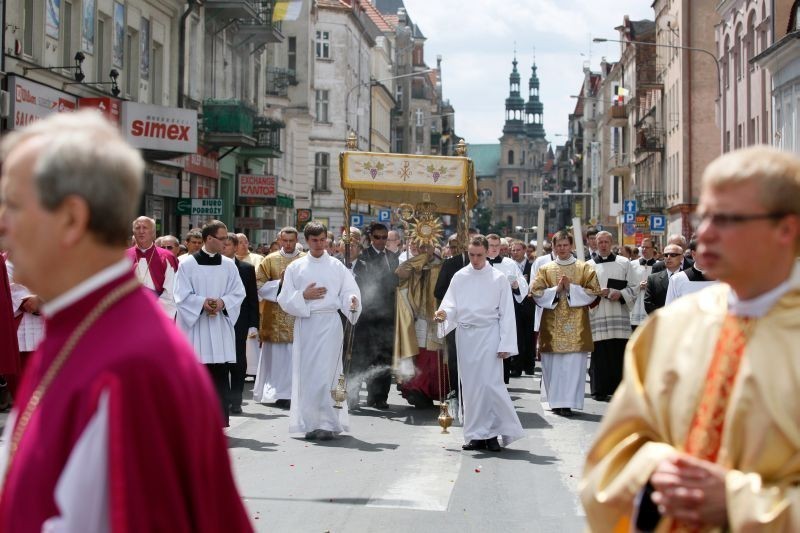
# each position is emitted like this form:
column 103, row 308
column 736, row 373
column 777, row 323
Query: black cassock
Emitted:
column 374, row 334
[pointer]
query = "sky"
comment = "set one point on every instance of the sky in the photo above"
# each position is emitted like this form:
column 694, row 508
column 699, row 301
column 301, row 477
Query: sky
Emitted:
column 476, row 39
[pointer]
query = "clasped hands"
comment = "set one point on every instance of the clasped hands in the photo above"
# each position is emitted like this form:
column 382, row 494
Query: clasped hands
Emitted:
column 611, row 294
column 563, row 284
column 212, row 306
column 690, row 490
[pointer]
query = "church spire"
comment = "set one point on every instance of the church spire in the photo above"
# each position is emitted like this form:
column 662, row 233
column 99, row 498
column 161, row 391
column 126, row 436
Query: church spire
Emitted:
column 515, row 104
column 534, row 109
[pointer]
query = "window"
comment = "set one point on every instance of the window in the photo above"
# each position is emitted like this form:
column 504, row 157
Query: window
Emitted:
column 100, row 50
column 66, row 35
column 509, row 186
column 27, row 36
column 522, row 159
column 726, row 71
column 737, row 52
column 398, row 95
column 321, row 166
column 157, row 89
column 291, row 61
column 322, row 106
column 511, row 157
column 323, row 45
column 420, row 116
column 616, row 194
column 132, row 65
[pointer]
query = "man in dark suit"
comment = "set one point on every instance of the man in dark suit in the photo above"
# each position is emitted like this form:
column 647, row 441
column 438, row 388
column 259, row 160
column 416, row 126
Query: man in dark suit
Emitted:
column 524, row 313
column 687, row 260
column 656, row 291
column 372, row 348
column 246, row 325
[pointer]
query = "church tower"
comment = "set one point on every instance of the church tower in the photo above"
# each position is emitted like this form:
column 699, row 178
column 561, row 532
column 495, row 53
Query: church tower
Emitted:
column 534, row 109
column 515, row 104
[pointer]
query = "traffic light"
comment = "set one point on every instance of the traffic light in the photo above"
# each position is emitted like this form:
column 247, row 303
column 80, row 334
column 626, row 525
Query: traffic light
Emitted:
column 515, row 194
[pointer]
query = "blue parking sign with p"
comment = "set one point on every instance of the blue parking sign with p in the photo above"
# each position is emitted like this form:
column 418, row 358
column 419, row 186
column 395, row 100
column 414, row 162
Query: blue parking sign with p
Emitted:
column 384, row 215
column 658, row 222
column 630, row 218
column 357, row 220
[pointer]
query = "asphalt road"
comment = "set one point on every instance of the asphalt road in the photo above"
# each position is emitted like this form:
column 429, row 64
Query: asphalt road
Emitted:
column 395, row 471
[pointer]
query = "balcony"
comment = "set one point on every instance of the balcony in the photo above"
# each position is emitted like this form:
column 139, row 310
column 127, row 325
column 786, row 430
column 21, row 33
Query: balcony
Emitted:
column 649, row 76
column 618, row 164
column 267, row 133
column 228, row 123
column 279, row 80
column 232, row 9
column 617, row 116
column 258, row 30
column 648, row 140
column 651, row 202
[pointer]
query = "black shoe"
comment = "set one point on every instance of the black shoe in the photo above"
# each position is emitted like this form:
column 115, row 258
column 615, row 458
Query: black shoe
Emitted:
column 567, row 412
column 283, row 404
column 602, row 397
column 515, row 373
column 493, row 445
column 557, row 411
column 236, row 409
column 474, row 445
column 380, row 404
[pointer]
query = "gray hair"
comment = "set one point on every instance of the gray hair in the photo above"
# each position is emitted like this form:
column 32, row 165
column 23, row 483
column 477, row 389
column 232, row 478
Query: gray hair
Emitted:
column 84, row 155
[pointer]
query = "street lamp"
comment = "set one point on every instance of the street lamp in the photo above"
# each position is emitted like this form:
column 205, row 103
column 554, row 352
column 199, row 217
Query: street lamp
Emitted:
column 370, row 83
column 675, row 46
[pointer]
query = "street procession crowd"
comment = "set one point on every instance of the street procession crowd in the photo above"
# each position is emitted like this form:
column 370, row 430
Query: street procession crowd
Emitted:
column 694, row 344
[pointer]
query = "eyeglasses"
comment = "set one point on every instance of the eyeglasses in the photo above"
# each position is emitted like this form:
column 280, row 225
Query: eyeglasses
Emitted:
column 722, row 220
column 672, row 255
column 168, row 246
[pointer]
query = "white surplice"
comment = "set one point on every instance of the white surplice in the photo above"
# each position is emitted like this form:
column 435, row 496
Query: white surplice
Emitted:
column 212, row 337
column 537, row 264
column 31, row 327
column 479, row 307
column 318, row 334
column 141, row 270
column 508, row 267
column 680, row 285
column 611, row 319
column 638, row 314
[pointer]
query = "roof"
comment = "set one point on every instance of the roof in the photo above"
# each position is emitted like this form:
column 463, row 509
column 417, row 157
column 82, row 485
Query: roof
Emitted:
column 594, row 84
column 389, row 7
column 340, row 4
column 641, row 28
column 376, row 17
column 391, row 20
column 433, row 75
column 486, row 158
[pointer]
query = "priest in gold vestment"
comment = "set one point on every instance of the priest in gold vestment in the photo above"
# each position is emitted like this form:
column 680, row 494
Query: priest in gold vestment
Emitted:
column 415, row 339
column 274, row 374
column 564, row 289
column 704, row 431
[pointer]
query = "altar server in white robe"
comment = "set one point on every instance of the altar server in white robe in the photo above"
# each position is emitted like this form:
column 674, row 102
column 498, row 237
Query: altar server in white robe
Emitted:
column 209, row 294
column 478, row 306
column 314, row 288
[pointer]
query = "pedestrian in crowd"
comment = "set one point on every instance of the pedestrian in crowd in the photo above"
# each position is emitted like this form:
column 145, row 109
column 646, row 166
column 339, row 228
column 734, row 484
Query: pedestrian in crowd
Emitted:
column 686, row 262
column 182, row 250
column 274, row 246
column 115, row 426
column 330, row 244
column 564, row 289
column 690, row 280
column 209, row 295
column 525, row 360
column 655, row 294
column 591, row 243
column 354, row 249
column 246, row 326
column 518, row 285
column 702, row 433
column 193, row 242
column 393, row 242
column 410, row 251
column 478, row 306
column 314, row 288
column 243, row 252
column 9, row 348
column 154, row 267
column 530, row 252
column 610, row 319
column 374, row 340
column 416, row 360
column 642, row 268
column 170, row 242
column 274, row 375
column 30, row 324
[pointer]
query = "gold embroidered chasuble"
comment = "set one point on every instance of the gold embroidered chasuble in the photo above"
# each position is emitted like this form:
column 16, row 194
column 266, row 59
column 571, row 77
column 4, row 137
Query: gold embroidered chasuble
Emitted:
column 565, row 329
column 668, row 363
column 415, row 300
column 276, row 325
